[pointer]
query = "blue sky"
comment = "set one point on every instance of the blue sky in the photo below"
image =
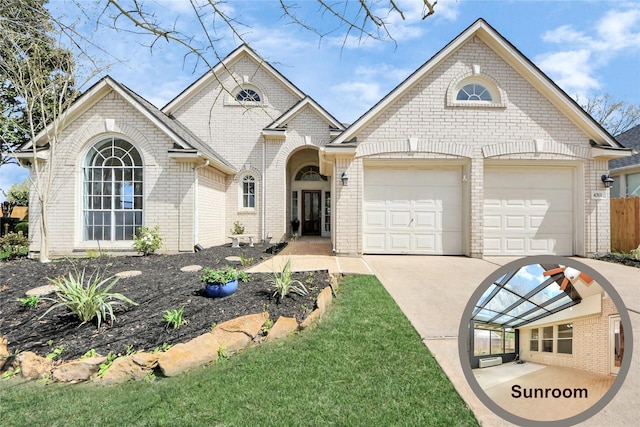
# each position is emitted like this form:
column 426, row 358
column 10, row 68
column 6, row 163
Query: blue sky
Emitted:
column 586, row 47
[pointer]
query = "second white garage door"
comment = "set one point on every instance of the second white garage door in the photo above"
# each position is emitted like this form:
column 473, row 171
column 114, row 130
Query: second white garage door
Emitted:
column 529, row 211
column 412, row 210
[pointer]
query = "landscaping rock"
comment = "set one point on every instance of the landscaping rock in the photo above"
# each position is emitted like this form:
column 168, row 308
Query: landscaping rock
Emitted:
column 188, row 268
column 42, row 291
column 124, row 369
column 4, row 353
column 311, row 319
column 78, row 370
column 146, row 360
column 233, row 258
column 324, row 300
column 185, row 356
column 236, row 334
column 34, row 367
column 283, row 327
column 128, row 273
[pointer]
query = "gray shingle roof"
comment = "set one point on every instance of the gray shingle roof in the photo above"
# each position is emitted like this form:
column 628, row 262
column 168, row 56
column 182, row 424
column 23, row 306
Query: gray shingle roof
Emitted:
column 176, row 127
column 629, row 139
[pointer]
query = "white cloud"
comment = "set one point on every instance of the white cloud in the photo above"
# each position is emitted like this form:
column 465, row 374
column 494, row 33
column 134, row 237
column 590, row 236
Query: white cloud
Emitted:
column 585, row 52
column 571, row 70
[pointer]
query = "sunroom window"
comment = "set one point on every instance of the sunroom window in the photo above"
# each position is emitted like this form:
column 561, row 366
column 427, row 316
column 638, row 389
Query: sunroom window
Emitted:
column 112, row 191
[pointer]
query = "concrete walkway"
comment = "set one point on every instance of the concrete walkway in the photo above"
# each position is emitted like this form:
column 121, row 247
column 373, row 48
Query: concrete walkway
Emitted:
column 433, row 292
column 335, row 265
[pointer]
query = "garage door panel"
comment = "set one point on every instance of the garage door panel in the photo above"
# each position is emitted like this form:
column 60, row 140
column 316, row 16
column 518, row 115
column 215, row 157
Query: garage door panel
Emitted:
column 426, row 242
column 426, row 220
column 515, row 222
column 375, row 241
column 399, row 219
column 375, row 218
column 528, row 211
column 421, row 204
column 399, row 242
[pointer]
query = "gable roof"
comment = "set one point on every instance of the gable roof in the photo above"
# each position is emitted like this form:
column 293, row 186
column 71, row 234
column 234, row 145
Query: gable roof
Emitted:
column 629, row 139
column 223, row 66
column 183, row 139
column 280, row 123
column 509, row 53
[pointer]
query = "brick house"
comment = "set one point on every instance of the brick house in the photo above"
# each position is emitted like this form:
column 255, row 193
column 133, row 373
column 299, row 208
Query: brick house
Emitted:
column 476, row 153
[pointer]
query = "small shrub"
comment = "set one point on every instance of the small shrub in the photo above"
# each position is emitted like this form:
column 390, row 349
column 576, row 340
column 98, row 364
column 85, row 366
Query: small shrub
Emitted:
column 238, row 228
column 243, row 276
column 22, row 227
column 283, row 284
column 13, row 245
column 147, row 240
column 88, row 298
column 245, row 261
column 174, row 318
column 31, row 301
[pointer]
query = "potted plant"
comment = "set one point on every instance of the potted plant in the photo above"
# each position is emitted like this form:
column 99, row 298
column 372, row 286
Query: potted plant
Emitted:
column 220, row 283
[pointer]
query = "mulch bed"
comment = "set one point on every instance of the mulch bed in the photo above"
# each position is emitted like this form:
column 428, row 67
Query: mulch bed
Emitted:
column 618, row 259
column 160, row 287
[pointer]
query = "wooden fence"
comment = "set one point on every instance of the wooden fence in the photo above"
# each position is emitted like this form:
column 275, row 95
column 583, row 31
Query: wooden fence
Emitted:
column 625, row 224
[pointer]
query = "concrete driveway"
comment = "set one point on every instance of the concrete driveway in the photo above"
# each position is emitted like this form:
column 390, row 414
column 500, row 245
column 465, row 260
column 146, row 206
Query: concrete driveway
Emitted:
column 433, row 292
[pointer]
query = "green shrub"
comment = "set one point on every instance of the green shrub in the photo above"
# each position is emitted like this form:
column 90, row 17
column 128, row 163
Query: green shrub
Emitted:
column 22, row 227
column 13, row 245
column 283, row 284
column 174, row 318
column 148, row 240
column 31, row 301
column 86, row 296
column 238, row 228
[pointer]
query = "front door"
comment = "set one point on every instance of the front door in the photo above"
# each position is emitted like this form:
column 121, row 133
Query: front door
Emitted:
column 311, row 217
column 616, row 344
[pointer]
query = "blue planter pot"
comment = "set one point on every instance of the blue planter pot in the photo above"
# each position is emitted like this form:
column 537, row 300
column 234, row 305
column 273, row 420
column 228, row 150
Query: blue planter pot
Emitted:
column 221, row 291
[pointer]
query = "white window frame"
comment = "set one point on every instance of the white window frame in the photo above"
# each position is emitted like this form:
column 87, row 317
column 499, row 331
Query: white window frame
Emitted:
column 248, row 179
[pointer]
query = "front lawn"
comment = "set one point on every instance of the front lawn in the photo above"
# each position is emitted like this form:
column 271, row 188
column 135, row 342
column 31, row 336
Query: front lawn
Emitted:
column 363, row 365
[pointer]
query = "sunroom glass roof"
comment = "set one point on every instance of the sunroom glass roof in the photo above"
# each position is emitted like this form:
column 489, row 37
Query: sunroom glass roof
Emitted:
column 523, row 296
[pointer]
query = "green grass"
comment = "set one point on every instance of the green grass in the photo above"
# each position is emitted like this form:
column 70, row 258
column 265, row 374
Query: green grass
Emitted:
column 364, row 365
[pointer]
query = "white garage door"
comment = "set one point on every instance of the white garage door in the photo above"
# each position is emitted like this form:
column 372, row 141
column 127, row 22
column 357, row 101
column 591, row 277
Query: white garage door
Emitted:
column 528, row 211
column 412, row 211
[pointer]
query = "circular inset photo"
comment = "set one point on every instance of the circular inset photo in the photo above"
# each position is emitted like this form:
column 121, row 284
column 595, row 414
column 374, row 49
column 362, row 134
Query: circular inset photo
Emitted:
column 544, row 340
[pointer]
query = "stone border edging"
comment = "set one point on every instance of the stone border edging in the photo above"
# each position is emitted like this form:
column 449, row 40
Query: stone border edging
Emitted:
column 228, row 337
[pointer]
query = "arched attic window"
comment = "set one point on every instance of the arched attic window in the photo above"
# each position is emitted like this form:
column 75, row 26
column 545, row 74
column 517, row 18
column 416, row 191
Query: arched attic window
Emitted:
column 248, row 95
column 475, row 89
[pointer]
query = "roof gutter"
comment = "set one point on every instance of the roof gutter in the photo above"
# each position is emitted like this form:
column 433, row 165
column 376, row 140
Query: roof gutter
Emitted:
column 193, row 155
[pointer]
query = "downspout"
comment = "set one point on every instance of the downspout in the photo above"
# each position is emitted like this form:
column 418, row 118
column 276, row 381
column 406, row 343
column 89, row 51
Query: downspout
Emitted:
column 196, row 245
column 263, row 190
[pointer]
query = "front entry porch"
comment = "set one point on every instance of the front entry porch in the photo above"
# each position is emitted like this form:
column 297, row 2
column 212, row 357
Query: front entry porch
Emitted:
column 308, row 245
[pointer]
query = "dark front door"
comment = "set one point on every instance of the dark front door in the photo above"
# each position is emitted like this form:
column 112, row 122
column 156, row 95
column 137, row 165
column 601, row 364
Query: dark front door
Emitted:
column 311, row 213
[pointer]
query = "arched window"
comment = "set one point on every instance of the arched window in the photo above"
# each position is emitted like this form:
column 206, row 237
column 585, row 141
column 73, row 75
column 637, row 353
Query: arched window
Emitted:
column 248, row 191
column 474, row 92
column 112, row 191
column 248, row 95
column 310, row 173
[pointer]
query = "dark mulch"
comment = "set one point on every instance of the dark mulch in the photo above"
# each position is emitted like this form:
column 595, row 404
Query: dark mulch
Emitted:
column 161, row 287
column 624, row 259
